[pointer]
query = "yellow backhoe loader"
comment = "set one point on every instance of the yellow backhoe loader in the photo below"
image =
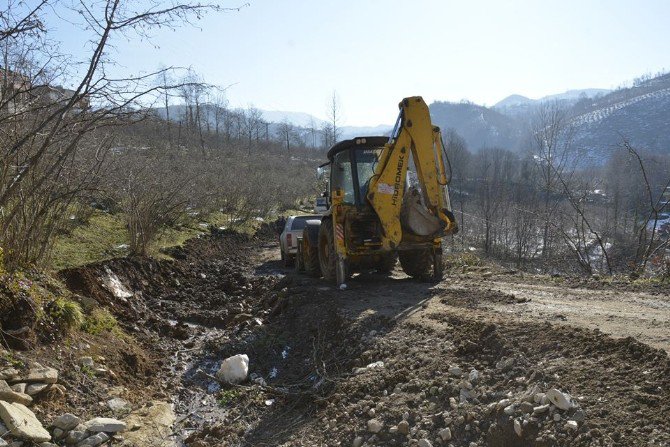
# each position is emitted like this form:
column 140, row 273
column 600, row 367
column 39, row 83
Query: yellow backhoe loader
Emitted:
column 387, row 199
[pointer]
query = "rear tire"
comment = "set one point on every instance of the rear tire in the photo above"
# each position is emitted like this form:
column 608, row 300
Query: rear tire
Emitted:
column 438, row 266
column 417, row 263
column 326, row 251
column 387, row 262
column 311, row 258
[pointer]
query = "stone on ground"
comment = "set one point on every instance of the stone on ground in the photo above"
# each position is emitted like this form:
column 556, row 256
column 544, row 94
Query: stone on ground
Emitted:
column 66, row 421
column 9, row 395
column 234, row 369
column 19, row 387
column 150, row 426
column 39, row 373
column 36, row 388
column 107, row 425
column 375, row 426
column 445, row 434
column 22, row 422
column 118, row 404
column 561, row 400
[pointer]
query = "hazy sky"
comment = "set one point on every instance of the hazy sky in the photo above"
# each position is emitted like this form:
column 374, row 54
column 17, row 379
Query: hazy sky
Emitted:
column 292, row 54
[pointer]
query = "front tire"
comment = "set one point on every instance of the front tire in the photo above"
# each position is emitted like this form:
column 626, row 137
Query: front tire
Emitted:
column 417, row 263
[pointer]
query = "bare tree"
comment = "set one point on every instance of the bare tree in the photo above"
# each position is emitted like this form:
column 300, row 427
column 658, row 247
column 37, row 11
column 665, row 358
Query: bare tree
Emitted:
column 44, row 126
column 551, row 137
column 334, row 117
column 286, row 132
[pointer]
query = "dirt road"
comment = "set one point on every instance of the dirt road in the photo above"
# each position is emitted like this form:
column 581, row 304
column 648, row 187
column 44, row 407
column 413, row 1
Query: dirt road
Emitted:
column 484, row 358
column 464, row 362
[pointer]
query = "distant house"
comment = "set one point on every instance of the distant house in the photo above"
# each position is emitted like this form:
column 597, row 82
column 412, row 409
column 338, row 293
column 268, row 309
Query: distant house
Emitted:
column 14, row 90
column 17, row 93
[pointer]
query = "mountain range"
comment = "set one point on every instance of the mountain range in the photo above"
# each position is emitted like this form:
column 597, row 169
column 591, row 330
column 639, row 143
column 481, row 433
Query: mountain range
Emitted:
column 601, row 119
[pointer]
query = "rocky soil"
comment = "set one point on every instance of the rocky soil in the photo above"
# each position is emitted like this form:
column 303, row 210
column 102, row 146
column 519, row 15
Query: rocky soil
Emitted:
column 477, row 360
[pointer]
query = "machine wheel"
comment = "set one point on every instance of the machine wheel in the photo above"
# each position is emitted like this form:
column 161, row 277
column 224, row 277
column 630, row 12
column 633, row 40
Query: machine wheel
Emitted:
column 311, row 258
column 438, row 266
column 299, row 264
column 387, row 262
column 326, row 251
column 417, row 263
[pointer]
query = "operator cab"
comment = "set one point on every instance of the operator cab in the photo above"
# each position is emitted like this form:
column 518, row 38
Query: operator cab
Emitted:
column 352, row 165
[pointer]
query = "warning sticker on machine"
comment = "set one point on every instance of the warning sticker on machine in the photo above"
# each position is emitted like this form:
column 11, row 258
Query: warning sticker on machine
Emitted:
column 384, row 188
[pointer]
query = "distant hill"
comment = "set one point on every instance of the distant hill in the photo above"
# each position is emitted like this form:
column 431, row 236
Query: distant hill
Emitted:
column 521, row 107
column 640, row 113
column 478, row 125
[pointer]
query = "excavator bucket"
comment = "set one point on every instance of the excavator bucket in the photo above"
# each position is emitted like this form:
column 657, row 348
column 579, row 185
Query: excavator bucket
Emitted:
column 415, row 216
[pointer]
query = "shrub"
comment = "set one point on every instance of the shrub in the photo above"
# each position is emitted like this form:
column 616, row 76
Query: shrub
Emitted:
column 66, row 313
column 100, row 320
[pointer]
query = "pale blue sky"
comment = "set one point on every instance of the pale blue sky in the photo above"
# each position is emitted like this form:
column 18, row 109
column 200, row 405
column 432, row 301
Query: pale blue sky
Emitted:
column 291, row 54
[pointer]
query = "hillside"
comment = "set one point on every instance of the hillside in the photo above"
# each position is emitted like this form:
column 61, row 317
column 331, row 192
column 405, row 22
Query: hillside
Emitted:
column 641, row 114
column 478, row 125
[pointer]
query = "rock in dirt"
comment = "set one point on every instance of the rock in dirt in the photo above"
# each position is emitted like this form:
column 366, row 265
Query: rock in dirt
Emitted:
column 517, row 428
column 95, row 440
column 9, row 395
column 19, row 387
column 154, row 424
column 3, row 443
column 22, row 422
column 375, row 365
column 76, row 436
column 8, row 374
column 375, row 425
column 425, row 443
column 87, row 362
column 118, row 405
column 541, row 409
column 445, row 434
column 358, row 441
column 39, row 373
column 561, row 400
column 571, row 425
column 234, row 369
column 403, row 427
column 66, row 421
column 107, row 425
column 455, row 371
column 36, row 388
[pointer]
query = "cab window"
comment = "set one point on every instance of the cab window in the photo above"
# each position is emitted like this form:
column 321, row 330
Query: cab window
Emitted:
column 341, row 176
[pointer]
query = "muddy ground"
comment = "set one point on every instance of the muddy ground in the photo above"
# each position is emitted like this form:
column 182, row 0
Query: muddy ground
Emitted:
column 474, row 354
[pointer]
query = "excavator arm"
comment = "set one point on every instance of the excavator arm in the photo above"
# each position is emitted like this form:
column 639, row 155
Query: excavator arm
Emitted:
column 423, row 211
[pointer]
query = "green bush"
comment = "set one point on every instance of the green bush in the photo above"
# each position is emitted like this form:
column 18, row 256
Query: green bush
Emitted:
column 100, row 320
column 66, row 313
